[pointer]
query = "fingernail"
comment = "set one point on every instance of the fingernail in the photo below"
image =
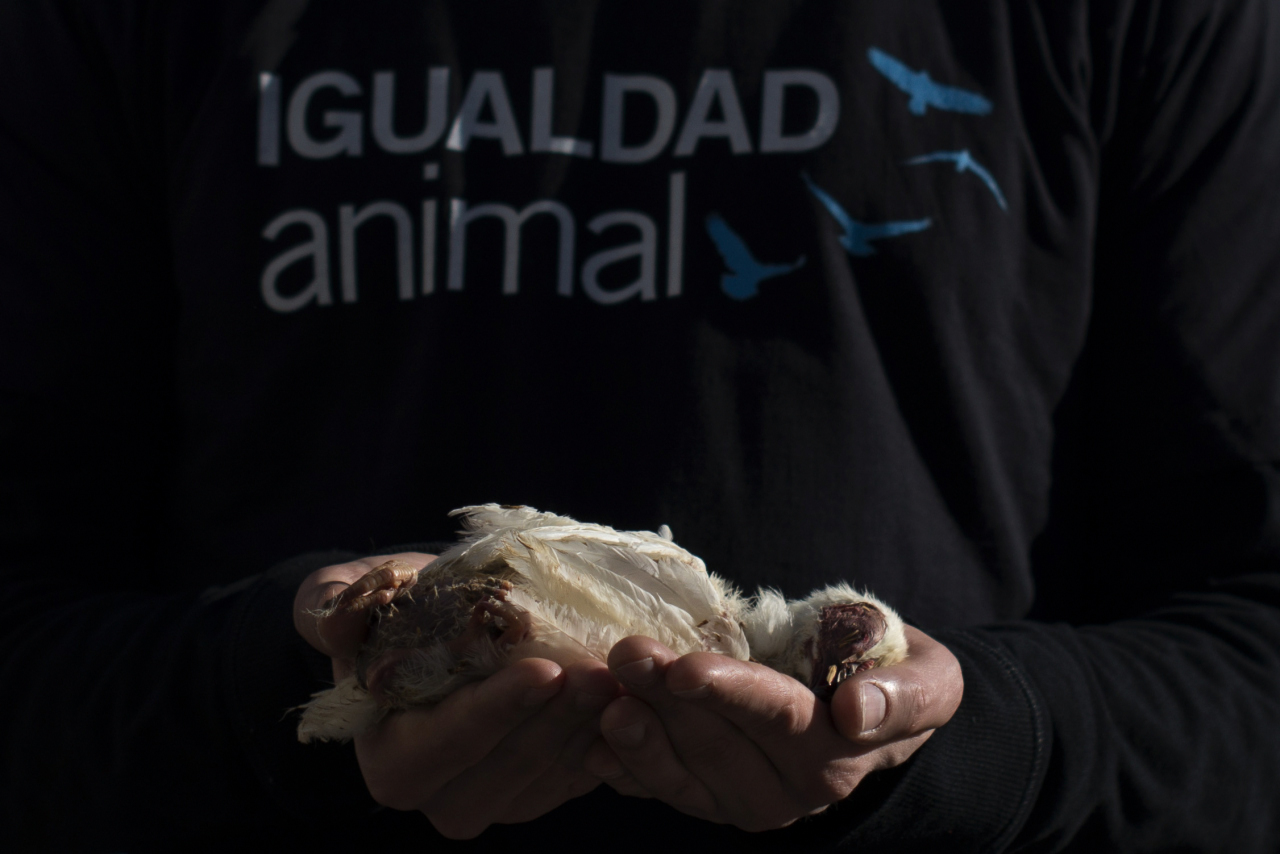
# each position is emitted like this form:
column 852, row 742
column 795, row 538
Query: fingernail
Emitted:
column 627, row 736
column 640, row 672
column 873, row 706
column 538, row 696
column 693, row 693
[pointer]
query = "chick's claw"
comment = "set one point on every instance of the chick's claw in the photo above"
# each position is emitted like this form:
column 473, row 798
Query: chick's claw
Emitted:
column 386, row 583
column 518, row 622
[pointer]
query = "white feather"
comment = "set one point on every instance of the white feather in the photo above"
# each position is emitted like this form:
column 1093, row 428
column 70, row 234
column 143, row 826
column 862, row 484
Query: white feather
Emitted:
column 581, row 588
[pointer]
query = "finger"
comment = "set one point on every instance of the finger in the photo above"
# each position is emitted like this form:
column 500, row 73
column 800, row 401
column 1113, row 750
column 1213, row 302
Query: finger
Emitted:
column 704, row 768
column 627, row 786
column 546, row 748
column 636, row 736
column 745, row 784
column 764, row 704
column 770, row 707
column 557, row 786
column 412, row 754
column 904, row 700
column 340, row 633
column 601, row 762
column 780, row 718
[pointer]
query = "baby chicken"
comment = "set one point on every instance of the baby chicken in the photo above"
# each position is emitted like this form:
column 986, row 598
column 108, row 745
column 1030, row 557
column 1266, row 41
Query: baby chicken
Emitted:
column 527, row 584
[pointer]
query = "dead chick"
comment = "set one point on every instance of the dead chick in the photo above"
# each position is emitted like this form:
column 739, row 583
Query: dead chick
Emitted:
column 528, row 584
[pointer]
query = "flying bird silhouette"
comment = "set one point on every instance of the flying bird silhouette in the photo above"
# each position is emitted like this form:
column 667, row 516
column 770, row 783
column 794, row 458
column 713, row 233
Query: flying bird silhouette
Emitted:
column 745, row 272
column 964, row 163
column 857, row 235
column 924, row 91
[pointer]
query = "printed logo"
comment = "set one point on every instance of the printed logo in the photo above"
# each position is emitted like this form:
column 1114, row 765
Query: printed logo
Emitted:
column 964, row 163
column 330, row 114
column 287, row 127
column 924, row 92
column 745, row 272
column 857, row 236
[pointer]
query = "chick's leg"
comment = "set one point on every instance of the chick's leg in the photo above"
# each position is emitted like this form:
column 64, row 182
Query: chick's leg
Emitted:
column 493, row 619
column 386, row 583
column 517, row 622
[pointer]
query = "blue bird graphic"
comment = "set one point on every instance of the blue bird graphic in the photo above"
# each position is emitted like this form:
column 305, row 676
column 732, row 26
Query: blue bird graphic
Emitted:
column 745, row 272
column 923, row 91
column 857, row 236
column 964, row 163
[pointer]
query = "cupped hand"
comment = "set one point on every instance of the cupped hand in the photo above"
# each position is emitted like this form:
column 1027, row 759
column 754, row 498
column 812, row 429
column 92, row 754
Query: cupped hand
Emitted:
column 504, row 750
column 738, row 743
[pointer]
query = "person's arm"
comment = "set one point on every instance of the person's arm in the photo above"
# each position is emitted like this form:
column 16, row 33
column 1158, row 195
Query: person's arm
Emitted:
column 133, row 709
column 1154, row 730
column 1160, row 725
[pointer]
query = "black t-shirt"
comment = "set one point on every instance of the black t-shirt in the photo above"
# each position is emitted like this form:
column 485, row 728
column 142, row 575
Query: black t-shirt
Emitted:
column 974, row 307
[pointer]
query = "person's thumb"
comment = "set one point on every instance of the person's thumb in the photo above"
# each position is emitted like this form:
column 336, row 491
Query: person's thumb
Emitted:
column 893, row 703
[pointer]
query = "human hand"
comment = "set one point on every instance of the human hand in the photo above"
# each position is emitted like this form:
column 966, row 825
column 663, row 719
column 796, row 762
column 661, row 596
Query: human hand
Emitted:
column 738, row 743
column 500, row 751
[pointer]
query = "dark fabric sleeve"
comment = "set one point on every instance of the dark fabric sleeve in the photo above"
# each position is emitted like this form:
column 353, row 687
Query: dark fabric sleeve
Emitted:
column 1154, row 729
column 1145, row 735
column 147, row 721
column 134, row 708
